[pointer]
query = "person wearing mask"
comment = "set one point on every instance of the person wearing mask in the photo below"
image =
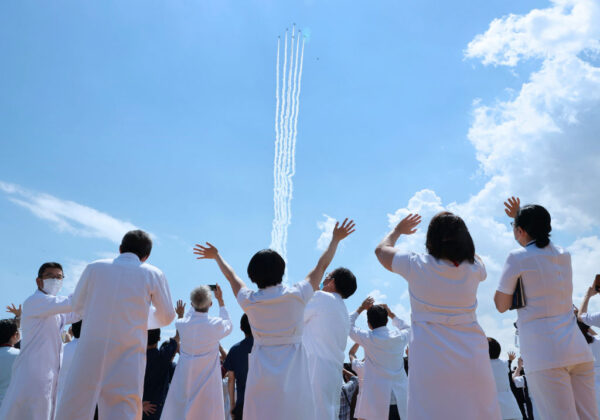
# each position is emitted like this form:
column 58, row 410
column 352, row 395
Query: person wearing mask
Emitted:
column 115, row 298
column 159, row 363
column 560, row 365
column 384, row 378
column 278, row 373
column 9, row 336
column 508, row 404
column 445, row 335
column 236, row 365
column 31, row 394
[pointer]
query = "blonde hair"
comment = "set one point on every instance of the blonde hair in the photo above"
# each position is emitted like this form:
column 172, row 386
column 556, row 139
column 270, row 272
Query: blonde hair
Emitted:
column 201, row 298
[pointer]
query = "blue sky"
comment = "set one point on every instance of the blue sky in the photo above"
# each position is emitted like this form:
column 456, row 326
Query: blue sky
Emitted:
column 161, row 115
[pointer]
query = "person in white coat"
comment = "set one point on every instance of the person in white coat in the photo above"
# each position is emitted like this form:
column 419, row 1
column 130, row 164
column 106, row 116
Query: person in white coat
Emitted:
column 587, row 319
column 31, row 394
column 508, row 403
column 9, row 336
column 560, row 364
column 448, row 349
column 196, row 390
column 114, row 297
column 326, row 329
column 384, row 361
column 278, row 382
column 67, row 358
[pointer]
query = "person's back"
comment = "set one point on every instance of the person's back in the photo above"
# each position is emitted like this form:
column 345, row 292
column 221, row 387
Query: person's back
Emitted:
column 114, row 297
column 196, row 390
column 236, row 362
column 9, row 336
column 158, row 373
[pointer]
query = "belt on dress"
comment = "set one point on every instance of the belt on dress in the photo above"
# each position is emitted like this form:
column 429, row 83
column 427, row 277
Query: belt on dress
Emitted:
column 445, row 319
column 277, row 341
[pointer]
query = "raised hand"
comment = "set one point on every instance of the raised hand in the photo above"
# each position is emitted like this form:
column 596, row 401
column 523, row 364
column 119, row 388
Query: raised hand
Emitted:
column 180, row 308
column 408, row 225
column 148, row 408
column 512, row 355
column 14, row 310
column 512, row 206
column 367, row 303
column 389, row 311
column 219, row 294
column 341, row 232
column 208, row 252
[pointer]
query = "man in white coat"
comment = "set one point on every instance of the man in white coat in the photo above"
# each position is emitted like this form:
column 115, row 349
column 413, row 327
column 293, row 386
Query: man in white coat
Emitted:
column 196, row 391
column 32, row 390
column 508, row 403
column 114, row 297
column 384, row 362
column 326, row 329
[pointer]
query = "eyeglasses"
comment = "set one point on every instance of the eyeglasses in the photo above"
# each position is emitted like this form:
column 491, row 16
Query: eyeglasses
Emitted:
column 52, row 276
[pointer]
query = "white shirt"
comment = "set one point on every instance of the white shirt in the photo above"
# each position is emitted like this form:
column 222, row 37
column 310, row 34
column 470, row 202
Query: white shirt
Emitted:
column 67, row 359
column 114, row 296
column 548, row 333
column 197, row 384
column 7, row 358
column 507, row 400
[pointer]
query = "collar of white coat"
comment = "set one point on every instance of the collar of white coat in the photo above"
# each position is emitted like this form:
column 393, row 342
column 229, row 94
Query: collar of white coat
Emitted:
column 128, row 256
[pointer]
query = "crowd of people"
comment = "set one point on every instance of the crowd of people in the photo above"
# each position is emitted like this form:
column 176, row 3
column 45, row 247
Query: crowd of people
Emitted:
column 292, row 362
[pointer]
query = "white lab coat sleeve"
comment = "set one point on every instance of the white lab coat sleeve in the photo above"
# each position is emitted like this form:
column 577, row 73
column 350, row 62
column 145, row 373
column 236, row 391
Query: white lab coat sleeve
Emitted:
column 358, row 335
column 592, row 319
column 225, row 322
column 50, row 305
column 310, row 310
column 71, row 318
column 161, row 299
column 400, row 324
column 80, row 293
column 403, row 264
column 509, row 276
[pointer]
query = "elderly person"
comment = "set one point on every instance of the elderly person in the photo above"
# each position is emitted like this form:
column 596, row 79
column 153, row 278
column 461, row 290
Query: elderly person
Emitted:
column 448, row 349
column 560, row 365
column 278, row 384
column 196, row 390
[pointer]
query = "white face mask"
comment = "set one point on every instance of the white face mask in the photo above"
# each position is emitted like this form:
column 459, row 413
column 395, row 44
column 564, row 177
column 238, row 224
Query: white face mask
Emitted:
column 52, row 286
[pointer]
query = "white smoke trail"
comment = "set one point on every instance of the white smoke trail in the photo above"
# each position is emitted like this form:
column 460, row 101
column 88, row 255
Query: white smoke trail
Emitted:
column 287, row 97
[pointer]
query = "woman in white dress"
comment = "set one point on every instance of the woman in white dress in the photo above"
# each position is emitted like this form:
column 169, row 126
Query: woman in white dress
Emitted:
column 560, row 368
column 278, row 384
column 450, row 372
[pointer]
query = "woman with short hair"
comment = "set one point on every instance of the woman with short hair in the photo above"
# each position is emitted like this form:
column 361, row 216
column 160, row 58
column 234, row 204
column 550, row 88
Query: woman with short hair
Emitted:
column 560, row 368
column 450, row 372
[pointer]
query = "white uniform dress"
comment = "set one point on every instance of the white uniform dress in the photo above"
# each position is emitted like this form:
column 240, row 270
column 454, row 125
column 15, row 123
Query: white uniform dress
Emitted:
column 196, row 390
column 8, row 355
column 326, row 328
column 67, row 358
column 278, row 385
column 384, row 373
column 508, row 403
column 110, row 361
column 450, row 372
column 31, row 394
column 593, row 319
column 556, row 356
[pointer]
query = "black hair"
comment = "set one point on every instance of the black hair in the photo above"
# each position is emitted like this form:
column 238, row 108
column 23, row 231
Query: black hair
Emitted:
column 535, row 220
column 585, row 329
column 448, row 238
column 377, row 316
column 266, row 268
column 137, row 242
column 245, row 325
column 348, row 367
column 76, row 329
column 494, row 347
column 47, row 265
column 345, row 282
column 153, row 336
column 8, row 328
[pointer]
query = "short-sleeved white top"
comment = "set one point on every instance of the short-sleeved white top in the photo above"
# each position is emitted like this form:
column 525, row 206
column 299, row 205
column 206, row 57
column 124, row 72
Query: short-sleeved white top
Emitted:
column 276, row 312
column 548, row 332
column 439, row 286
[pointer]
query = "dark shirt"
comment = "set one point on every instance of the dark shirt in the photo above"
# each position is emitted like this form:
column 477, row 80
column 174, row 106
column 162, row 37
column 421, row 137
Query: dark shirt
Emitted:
column 237, row 362
column 158, row 374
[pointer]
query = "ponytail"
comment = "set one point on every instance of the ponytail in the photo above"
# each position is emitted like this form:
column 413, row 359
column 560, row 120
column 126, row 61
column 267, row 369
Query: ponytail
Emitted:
column 535, row 220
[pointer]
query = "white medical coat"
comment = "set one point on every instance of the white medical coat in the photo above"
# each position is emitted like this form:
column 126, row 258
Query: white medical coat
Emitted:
column 196, row 390
column 108, row 368
column 383, row 369
column 66, row 360
column 450, row 374
column 8, row 356
column 278, row 384
column 508, row 403
column 326, row 329
column 31, row 394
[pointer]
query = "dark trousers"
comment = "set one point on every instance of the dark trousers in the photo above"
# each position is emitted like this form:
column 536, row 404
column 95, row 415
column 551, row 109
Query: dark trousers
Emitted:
column 238, row 410
column 394, row 415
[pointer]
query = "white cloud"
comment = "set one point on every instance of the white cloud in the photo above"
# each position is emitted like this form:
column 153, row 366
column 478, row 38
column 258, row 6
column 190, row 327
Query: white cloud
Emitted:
column 378, row 295
column 68, row 216
column 326, row 227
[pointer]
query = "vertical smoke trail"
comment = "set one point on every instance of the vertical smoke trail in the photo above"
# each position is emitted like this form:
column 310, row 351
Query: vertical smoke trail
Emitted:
column 287, row 100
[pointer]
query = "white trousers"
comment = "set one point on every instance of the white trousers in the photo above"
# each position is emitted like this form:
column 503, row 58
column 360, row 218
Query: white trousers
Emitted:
column 565, row 393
